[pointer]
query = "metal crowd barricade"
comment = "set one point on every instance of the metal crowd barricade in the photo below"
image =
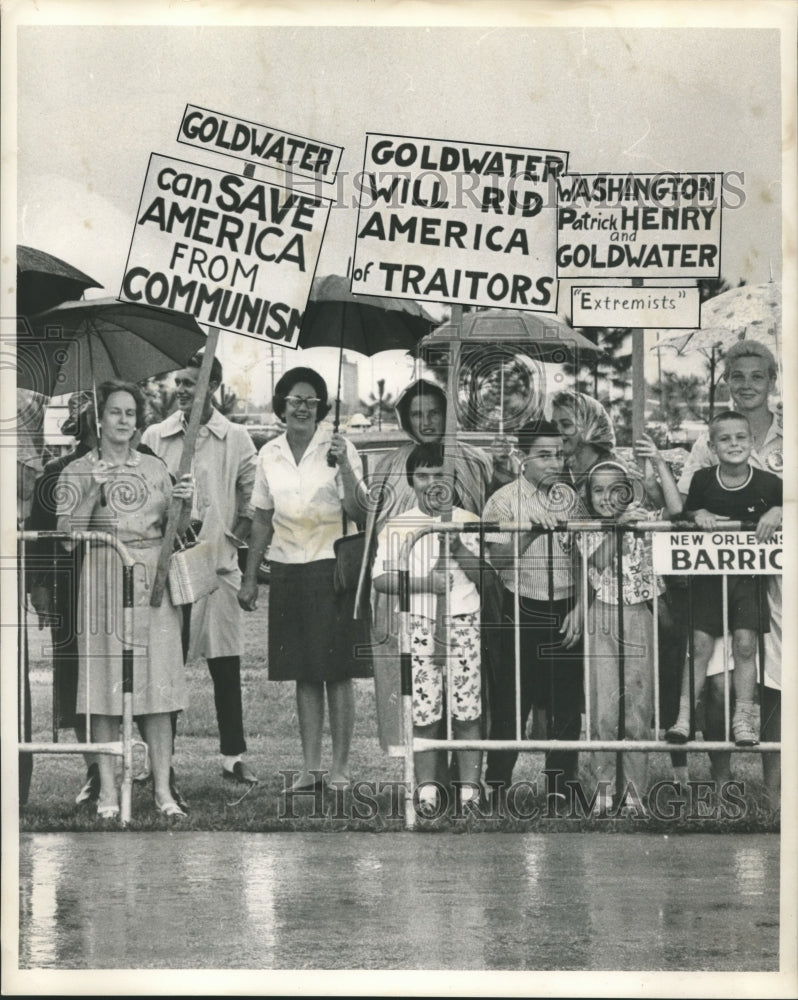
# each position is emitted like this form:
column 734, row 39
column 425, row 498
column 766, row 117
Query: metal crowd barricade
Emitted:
column 123, row 748
column 620, row 745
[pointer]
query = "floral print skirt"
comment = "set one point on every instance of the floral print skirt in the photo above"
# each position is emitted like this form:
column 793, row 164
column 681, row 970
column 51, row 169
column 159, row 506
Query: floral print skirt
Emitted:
column 462, row 661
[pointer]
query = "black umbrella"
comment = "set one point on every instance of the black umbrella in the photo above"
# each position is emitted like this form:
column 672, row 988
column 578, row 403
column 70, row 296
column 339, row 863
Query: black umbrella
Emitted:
column 80, row 344
column 43, row 281
column 367, row 324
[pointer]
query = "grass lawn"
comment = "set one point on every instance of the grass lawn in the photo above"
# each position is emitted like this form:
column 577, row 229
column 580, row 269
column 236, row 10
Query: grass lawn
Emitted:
column 273, row 741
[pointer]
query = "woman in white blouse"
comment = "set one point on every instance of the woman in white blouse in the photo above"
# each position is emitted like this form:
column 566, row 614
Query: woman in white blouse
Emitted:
column 300, row 500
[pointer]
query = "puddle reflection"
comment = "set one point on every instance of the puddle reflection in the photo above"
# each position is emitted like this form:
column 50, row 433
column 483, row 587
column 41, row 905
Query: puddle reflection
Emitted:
column 359, row 901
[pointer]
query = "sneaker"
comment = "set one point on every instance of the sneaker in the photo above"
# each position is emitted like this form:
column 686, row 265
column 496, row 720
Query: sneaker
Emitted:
column 470, row 795
column 745, row 725
column 90, row 792
column 679, row 732
column 427, row 801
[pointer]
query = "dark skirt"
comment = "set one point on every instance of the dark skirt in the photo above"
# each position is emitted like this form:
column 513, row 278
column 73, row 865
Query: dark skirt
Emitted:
column 312, row 636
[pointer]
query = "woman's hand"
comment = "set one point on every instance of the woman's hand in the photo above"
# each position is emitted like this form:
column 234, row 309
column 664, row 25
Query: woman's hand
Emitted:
column 339, row 450
column 248, row 596
column 184, row 488
column 101, row 473
column 646, row 449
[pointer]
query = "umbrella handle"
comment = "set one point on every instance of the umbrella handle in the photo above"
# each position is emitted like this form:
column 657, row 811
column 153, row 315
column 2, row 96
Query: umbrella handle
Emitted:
column 103, row 498
column 332, row 461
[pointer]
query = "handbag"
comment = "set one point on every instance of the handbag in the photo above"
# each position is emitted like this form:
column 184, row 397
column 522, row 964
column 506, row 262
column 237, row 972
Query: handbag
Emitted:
column 192, row 571
column 349, row 551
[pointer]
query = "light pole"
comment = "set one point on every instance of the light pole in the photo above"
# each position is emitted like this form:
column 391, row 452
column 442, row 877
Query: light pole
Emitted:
column 380, row 394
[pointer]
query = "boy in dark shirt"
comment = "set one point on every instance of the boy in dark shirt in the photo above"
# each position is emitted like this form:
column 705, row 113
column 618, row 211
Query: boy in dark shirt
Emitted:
column 731, row 490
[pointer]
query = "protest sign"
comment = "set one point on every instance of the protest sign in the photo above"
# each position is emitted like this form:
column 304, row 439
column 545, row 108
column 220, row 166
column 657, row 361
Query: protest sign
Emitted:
column 235, row 252
column 458, row 222
column 716, row 552
column 623, row 306
column 625, row 225
column 260, row 144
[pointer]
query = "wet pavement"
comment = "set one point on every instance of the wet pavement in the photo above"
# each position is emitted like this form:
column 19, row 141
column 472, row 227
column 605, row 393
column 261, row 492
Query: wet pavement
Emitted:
column 399, row 901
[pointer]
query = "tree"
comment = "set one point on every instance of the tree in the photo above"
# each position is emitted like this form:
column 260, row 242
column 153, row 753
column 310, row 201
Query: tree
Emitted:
column 679, row 397
column 159, row 396
column 606, row 376
column 378, row 405
column 708, row 288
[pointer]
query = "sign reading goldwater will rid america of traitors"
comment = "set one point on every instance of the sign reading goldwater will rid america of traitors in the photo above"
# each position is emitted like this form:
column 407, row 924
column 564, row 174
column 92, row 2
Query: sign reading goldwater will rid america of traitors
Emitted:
column 458, row 222
column 236, row 252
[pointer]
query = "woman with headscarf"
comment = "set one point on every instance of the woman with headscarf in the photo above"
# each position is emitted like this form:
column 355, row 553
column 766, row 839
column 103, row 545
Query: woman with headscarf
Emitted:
column 421, row 413
column 586, row 430
column 588, row 436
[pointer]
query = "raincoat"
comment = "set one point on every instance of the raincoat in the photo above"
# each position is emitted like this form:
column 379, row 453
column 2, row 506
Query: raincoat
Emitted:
column 391, row 494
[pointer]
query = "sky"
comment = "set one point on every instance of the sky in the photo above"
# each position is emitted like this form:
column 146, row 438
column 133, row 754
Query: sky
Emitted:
column 94, row 101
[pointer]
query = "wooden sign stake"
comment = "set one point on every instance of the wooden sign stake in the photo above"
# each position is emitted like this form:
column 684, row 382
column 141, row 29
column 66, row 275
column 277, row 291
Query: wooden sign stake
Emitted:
column 176, row 506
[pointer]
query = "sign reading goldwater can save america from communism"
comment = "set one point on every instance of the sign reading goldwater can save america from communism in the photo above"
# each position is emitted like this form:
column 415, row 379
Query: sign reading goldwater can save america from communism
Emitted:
column 458, row 222
column 263, row 145
column 236, row 252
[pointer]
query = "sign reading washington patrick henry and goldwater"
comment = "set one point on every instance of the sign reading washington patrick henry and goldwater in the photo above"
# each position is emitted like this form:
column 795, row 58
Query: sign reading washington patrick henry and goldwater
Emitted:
column 639, row 225
column 236, row 252
column 458, row 222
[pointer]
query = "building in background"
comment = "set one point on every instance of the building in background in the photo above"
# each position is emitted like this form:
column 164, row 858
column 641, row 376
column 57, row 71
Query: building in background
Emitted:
column 349, row 388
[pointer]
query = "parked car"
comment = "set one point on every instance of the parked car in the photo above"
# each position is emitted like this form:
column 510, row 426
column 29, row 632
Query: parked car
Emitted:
column 262, row 433
column 687, row 433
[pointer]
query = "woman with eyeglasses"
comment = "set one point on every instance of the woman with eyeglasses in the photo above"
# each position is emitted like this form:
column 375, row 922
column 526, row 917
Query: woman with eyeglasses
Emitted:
column 300, row 500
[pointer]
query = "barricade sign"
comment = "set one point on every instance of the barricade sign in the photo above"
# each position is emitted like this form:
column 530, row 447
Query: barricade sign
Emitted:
column 235, row 252
column 716, row 552
column 628, row 225
column 261, row 144
column 458, row 222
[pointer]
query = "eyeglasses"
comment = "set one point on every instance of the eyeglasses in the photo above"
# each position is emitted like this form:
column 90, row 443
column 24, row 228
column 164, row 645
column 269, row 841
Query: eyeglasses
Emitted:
column 310, row 401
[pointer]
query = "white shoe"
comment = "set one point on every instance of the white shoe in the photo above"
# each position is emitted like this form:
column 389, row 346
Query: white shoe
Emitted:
column 427, row 800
